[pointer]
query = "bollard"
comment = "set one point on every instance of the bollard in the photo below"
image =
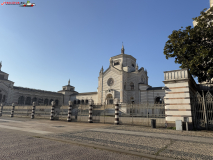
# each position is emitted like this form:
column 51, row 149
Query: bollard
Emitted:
column 69, row 111
column 33, row 111
column 1, row 109
column 52, row 110
column 116, row 111
column 90, row 111
column 12, row 111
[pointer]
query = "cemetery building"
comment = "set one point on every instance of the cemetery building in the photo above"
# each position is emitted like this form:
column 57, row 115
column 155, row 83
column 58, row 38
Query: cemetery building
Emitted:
column 123, row 79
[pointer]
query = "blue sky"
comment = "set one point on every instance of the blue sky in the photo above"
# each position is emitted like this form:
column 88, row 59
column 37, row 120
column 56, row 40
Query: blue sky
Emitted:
column 42, row 47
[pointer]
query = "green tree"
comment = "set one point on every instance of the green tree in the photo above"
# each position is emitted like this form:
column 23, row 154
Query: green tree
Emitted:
column 193, row 47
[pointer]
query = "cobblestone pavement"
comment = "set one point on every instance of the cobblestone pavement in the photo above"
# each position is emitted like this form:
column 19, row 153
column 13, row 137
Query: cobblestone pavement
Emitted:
column 149, row 145
column 152, row 145
column 202, row 133
column 18, row 145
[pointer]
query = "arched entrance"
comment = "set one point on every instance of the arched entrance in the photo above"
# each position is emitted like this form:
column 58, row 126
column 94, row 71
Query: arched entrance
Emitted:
column 109, row 99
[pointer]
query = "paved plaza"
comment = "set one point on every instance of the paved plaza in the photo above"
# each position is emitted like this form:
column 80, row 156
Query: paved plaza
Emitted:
column 24, row 138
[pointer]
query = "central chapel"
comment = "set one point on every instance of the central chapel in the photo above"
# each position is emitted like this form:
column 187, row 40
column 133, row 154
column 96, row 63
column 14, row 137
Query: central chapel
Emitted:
column 123, row 79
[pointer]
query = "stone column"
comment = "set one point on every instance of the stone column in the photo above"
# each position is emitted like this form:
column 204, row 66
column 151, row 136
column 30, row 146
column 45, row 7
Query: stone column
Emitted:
column 52, row 110
column 12, row 111
column 69, row 111
column 33, row 111
column 1, row 109
column 90, row 111
column 116, row 111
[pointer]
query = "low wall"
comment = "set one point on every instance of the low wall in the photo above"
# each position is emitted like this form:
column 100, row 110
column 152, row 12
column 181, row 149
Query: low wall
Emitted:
column 62, row 114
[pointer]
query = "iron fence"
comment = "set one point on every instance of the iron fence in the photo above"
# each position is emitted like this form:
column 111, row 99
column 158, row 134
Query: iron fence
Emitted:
column 202, row 110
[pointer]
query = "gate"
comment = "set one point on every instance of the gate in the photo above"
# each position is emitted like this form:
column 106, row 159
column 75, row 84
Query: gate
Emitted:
column 202, row 110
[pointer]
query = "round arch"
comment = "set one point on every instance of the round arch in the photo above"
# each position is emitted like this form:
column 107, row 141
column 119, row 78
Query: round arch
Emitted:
column 158, row 100
column 109, row 99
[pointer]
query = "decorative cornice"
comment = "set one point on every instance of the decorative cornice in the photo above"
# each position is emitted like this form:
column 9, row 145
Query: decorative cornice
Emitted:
column 123, row 55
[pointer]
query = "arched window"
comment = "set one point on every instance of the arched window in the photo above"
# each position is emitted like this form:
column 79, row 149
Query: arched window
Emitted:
column 158, row 100
column 125, row 86
column 34, row 99
column 46, row 102
column 21, row 100
column 56, row 102
column 51, row 101
column 87, row 101
column 82, row 101
column 28, row 101
column 109, row 96
column 4, row 98
column 132, row 86
column 40, row 101
column 109, row 99
column 132, row 100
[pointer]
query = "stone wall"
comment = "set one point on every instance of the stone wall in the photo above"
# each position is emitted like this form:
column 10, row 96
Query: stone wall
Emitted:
column 179, row 88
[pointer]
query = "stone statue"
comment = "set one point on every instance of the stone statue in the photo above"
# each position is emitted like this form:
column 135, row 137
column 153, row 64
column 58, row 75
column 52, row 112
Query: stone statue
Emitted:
column 69, row 82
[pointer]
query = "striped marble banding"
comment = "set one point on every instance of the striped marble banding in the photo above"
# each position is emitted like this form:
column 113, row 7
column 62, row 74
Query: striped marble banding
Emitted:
column 177, row 104
column 178, row 87
column 177, row 115
column 176, row 92
column 90, row 114
column 179, row 98
column 177, row 109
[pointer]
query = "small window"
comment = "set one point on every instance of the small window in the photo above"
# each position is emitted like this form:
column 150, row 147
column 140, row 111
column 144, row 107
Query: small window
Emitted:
column 116, row 63
column 158, row 100
column 133, row 65
column 132, row 86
